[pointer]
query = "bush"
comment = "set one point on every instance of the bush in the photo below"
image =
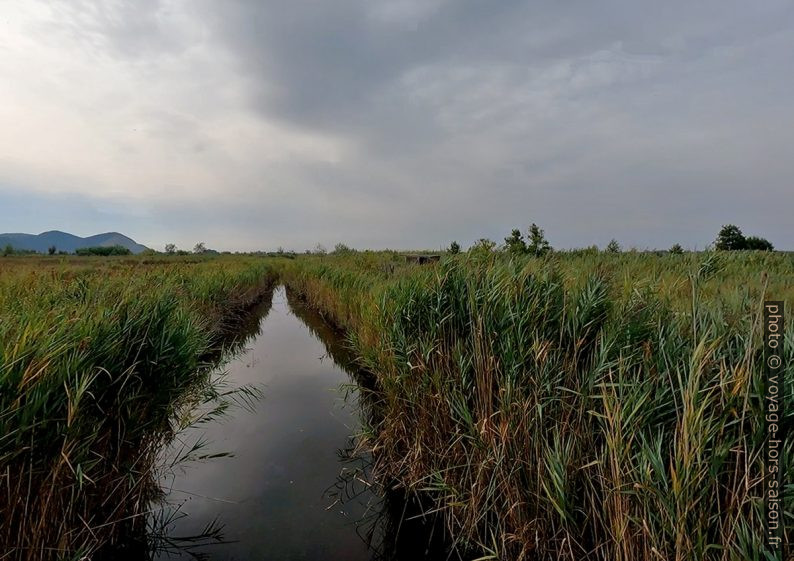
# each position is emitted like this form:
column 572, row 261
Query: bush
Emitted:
column 342, row 249
column 515, row 244
column 483, row 245
column 104, row 250
column 613, row 246
column 759, row 244
column 538, row 244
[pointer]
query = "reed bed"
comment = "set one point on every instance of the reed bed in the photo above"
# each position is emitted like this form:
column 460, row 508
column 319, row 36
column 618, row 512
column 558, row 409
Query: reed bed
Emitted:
column 97, row 357
column 581, row 406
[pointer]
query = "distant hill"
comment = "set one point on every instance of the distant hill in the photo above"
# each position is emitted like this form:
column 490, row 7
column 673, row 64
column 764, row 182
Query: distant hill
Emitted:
column 64, row 241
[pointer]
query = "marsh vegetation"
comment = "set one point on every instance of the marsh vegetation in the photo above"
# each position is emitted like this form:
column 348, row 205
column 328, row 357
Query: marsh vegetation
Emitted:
column 540, row 404
column 97, row 359
column 580, row 406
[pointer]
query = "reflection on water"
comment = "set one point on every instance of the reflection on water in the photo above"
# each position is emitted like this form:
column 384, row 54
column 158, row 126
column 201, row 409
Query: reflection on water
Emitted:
column 293, row 489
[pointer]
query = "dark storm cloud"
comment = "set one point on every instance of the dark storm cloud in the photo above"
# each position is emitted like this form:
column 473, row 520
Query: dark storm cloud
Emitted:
column 330, row 63
column 636, row 120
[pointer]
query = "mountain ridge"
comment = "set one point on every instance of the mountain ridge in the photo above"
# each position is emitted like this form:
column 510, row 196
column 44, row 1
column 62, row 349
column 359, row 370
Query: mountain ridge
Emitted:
column 65, row 241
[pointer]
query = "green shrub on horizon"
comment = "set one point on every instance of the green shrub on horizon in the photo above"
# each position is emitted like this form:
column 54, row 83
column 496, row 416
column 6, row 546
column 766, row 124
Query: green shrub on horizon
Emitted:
column 103, row 250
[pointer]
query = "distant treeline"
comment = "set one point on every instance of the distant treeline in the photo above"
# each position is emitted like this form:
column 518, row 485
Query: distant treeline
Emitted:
column 729, row 238
column 104, row 250
column 98, row 250
column 10, row 250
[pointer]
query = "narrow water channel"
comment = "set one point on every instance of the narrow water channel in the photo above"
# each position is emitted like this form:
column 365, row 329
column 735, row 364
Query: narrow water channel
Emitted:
column 277, row 497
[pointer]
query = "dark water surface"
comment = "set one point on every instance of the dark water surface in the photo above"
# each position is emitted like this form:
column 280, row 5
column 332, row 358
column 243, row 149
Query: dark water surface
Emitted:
column 276, row 498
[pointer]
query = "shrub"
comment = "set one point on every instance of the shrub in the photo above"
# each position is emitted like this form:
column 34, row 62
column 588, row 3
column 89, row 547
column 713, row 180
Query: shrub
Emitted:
column 342, row 249
column 104, row 250
column 756, row 243
column 483, row 245
column 538, row 245
column 515, row 243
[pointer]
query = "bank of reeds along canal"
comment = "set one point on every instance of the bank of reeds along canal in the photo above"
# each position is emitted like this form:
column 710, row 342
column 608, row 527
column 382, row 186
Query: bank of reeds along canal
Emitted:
column 579, row 406
column 97, row 358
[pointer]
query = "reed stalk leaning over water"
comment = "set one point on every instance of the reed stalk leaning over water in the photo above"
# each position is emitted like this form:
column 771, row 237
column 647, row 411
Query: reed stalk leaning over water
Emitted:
column 95, row 358
column 578, row 407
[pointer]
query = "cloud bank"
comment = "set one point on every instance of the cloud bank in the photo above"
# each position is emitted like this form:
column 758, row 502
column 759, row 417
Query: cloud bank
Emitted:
column 256, row 124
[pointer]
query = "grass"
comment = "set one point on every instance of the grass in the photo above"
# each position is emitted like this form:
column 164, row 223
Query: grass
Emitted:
column 98, row 356
column 581, row 406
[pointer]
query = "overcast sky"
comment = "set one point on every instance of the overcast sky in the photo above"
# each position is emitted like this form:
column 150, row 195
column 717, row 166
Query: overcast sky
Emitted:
column 404, row 124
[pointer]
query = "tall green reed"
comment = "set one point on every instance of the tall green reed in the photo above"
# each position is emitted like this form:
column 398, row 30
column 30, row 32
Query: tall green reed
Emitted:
column 94, row 363
column 578, row 406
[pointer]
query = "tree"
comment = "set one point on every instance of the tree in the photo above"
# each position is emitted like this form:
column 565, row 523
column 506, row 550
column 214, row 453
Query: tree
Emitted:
column 319, row 249
column 515, row 243
column 730, row 238
column 170, row 248
column 342, row 249
column 200, row 247
column 759, row 244
column 538, row 244
column 483, row 245
column 51, row 250
column 454, row 248
column 676, row 249
column 8, row 250
column 613, row 246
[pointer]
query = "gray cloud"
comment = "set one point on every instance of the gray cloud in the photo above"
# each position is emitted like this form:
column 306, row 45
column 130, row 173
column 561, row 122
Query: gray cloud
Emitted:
column 410, row 123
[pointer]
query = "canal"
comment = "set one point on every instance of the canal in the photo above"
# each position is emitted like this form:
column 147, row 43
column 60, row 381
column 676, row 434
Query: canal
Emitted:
column 284, row 484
